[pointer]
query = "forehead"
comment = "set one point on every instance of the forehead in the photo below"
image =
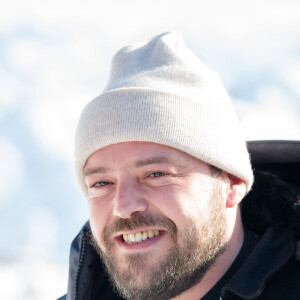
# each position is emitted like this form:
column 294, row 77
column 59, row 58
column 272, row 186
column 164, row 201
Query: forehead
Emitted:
column 133, row 152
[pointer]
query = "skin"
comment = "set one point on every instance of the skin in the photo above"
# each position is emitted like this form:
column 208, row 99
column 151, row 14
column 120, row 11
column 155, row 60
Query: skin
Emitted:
column 150, row 179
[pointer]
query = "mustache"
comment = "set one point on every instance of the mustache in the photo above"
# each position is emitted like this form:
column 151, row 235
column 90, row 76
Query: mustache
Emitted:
column 137, row 221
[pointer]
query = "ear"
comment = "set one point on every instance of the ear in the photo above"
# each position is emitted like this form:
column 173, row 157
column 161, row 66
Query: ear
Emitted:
column 236, row 191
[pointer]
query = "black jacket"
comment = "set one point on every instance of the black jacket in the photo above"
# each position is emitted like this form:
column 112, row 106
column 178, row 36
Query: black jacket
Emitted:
column 271, row 209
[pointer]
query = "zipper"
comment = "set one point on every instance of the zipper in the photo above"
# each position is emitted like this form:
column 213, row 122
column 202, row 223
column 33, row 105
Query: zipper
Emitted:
column 80, row 262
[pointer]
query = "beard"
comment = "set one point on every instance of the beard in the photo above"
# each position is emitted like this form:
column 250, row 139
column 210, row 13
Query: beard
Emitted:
column 192, row 254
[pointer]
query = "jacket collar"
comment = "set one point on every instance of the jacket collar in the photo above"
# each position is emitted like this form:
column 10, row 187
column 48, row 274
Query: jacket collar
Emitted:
column 81, row 266
column 280, row 249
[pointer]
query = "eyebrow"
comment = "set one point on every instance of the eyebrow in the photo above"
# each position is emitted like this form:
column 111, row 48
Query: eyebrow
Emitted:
column 88, row 172
column 138, row 164
column 155, row 160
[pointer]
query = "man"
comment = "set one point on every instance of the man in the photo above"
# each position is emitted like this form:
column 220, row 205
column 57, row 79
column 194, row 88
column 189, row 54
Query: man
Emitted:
column 162, row 162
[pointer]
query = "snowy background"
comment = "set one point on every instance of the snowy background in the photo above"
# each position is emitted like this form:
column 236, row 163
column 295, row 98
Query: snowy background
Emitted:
column 55, row 57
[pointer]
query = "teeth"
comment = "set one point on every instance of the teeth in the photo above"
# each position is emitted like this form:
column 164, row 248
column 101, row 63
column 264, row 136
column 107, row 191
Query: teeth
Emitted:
column 131, row 237
column 125, row 238
column 140, row 236
column 145, row 235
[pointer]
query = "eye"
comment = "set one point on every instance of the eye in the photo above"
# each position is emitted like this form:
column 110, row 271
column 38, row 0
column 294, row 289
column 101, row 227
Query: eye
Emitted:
column 157, row 174
column 100, row 184
column 100, row 188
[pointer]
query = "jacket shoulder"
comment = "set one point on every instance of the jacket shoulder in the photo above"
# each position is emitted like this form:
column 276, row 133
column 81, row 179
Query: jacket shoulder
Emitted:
column 284, row 284
column 63, row 297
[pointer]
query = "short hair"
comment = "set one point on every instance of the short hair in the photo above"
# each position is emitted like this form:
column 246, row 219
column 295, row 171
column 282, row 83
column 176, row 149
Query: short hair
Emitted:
column 215, row 171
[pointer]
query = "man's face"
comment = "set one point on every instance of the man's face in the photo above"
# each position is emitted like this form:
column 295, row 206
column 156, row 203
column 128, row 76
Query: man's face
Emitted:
column 157, row 216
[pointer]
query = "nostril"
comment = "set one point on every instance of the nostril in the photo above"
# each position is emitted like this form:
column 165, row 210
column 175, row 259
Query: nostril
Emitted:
column 128, row 200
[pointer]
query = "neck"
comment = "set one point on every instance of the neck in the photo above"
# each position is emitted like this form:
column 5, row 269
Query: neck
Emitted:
column 222, row 264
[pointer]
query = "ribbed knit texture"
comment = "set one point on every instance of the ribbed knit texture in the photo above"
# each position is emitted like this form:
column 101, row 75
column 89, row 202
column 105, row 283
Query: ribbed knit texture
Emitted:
column 160, row 92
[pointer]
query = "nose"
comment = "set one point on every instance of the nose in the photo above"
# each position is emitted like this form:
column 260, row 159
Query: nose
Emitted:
column 129, row 199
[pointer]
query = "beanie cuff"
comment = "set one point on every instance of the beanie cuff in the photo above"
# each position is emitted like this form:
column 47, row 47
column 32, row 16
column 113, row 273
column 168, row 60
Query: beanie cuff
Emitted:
column 148, row 115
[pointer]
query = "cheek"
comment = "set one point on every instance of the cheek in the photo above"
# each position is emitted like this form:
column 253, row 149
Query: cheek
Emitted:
column 171, row 202
column 99, row 216
column 189, row 202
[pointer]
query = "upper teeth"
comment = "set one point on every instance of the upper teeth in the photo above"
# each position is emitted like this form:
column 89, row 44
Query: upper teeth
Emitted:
column 140, row 236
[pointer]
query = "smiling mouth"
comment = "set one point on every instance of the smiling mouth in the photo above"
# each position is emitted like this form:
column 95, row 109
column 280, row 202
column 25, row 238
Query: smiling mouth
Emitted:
column 132, row 238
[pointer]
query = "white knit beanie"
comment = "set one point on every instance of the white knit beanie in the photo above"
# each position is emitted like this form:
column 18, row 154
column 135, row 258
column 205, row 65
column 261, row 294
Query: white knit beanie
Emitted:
column 160, row 92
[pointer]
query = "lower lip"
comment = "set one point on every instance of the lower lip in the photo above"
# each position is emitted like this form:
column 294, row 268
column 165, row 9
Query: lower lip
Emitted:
column 140, row 245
